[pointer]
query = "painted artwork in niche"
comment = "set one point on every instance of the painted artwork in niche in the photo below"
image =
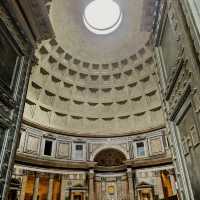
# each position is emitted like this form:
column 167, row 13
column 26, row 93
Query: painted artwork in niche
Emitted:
column 111, row 190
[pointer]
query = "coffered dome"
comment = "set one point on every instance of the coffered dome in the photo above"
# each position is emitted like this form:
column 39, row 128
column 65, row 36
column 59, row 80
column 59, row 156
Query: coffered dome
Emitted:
column 94, row 85
column 78, row 41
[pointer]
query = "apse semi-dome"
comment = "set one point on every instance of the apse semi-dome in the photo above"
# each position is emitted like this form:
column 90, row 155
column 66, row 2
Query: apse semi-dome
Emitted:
column 94, row 85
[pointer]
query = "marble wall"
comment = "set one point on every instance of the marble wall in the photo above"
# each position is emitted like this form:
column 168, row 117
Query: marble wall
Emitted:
column 64, row 147
column 180, row 88
column 66, row 184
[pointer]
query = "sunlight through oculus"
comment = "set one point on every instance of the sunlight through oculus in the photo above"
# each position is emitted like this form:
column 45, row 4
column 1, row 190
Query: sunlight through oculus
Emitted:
column 102, row 16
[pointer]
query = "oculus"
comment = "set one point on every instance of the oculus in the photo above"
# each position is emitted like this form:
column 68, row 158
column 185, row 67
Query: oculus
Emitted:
column 102, row 16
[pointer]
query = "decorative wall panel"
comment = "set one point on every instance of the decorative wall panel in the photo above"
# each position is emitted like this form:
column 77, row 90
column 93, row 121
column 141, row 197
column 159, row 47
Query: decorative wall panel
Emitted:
column 32, row 144
column 63, row 150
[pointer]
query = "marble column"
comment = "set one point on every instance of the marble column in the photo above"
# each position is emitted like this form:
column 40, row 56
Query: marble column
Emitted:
column 173, row 183
column 36, row 186
column 119, row 188
column 91, row 184
column 151, row 194
column 24, row 182
column 50, row 187
column 62, row 192
column 84, row 196
column 130, row 183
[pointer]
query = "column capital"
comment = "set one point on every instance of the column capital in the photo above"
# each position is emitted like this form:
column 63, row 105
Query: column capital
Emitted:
column 91, row 171
column 51, row 176
column 37, row 174
column 130, row 172
column 25, row 172
column 129, row 169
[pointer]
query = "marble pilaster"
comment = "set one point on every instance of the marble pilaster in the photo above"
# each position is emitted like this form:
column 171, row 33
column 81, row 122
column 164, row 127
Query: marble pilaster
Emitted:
column 130, row 184
column 36, row 186
column 24, row 182
column 91, row 184
column 62, row 192
column 50, row 188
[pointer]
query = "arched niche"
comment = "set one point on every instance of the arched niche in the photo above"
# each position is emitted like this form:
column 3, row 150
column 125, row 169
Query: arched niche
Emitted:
column 110, row 157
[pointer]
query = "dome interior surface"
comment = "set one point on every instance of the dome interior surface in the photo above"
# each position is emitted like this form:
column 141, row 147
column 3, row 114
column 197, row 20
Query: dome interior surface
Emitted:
column 93, row 85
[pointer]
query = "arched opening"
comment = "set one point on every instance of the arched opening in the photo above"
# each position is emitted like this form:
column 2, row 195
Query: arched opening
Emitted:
column 102, row 16
column 110, row 157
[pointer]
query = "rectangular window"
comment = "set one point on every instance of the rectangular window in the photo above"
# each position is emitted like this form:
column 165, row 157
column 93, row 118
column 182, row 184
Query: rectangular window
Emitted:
column 140, row 149
column 48, row 147
column 79, row 147
column 79, row 152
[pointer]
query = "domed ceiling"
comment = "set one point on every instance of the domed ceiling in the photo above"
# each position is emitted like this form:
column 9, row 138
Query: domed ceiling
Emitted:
column 95, row 85
column 74, row 37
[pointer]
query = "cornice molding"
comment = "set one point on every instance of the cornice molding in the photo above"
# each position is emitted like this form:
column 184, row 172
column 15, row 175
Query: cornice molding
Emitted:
column 91, row 135
column 69, row 164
